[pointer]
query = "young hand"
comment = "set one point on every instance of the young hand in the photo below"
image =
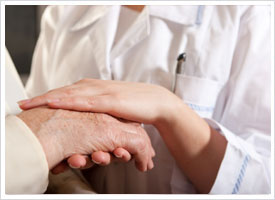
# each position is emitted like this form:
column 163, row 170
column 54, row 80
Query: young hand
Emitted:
column 140, row 102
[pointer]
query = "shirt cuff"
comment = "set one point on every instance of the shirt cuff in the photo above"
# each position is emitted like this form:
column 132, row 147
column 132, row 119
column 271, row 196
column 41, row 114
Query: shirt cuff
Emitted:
column 26, row 164
column 243, row 170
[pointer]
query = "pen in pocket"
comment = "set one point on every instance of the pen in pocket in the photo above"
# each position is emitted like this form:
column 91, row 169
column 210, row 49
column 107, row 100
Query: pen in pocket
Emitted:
column 179, row 68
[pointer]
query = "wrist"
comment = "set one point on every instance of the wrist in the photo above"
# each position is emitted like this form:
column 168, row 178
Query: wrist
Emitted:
column 39, row 121
column 186, row 129
column 52, row 146
column 169, row 114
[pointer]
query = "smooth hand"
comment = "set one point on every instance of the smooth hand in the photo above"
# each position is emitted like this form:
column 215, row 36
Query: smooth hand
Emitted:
column 140, row 102
column 63, row 133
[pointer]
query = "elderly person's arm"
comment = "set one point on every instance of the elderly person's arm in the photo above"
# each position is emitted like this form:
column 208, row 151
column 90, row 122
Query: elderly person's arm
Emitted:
column 61, row 134
column 38, row 139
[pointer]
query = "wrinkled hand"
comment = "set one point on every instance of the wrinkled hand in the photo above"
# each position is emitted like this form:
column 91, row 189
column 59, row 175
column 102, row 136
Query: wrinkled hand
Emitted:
column 78, row 161
column 63, row 133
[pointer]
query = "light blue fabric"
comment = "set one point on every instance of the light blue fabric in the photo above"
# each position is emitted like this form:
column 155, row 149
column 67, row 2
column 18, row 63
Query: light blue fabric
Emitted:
column 199, row 15
column 241, row 175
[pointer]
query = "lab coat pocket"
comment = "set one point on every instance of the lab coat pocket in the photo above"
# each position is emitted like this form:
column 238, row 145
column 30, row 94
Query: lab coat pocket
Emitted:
column 200, row 94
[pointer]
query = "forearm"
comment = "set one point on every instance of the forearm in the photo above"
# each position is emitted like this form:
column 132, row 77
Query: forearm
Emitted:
column 197, row 148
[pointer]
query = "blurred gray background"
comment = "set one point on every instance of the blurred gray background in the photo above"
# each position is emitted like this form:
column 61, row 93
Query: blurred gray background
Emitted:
column 22, row 27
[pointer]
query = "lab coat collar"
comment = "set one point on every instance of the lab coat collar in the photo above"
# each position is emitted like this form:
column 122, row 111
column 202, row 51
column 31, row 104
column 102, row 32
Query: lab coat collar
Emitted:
column 91, row 15
column 186, row 15
column 136, row 32
column 104, row 33
column 102, row 38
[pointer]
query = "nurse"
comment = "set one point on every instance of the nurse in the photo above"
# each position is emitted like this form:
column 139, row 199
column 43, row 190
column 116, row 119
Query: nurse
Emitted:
column 212, row 135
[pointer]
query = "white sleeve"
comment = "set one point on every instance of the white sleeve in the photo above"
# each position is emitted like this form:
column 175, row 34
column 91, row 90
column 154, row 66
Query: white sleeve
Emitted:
column 26, row 167
column 26, row 164
column 243, row 110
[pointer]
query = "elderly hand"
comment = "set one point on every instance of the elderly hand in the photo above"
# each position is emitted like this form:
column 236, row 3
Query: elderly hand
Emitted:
column 102, row 158
column 63, row 133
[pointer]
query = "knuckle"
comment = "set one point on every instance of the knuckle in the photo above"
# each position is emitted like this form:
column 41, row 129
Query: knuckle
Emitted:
column 141, row 144
column 153, row 153
column 69, row 91
column 90, row 101
column 140, row 130
column 41, row 98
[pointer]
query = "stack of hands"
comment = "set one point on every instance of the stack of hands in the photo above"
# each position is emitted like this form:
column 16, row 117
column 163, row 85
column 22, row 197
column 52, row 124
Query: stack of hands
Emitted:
column 71, row 125
column 78, row 123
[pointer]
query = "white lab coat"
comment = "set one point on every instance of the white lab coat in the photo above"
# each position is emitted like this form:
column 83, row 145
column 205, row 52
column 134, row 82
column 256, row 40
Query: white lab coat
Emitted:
column 226, row 81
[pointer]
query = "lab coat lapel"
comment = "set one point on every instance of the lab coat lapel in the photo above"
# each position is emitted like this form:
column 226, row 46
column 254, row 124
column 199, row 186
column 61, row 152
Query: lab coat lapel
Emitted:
column 136, row 33
column 141, row 27
column 90, row 15
column 102, row 39
column 104, row 20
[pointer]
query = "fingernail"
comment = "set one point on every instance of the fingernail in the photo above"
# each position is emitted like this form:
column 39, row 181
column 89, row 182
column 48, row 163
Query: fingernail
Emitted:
column 24, row 101
column 73, row 166
column 118, row 156
column 96, row 162
column 53, row 100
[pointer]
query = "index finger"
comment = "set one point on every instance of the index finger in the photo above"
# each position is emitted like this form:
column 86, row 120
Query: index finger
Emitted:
column 43, row 99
